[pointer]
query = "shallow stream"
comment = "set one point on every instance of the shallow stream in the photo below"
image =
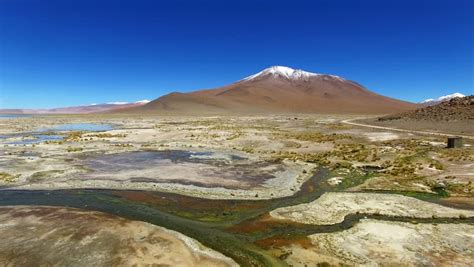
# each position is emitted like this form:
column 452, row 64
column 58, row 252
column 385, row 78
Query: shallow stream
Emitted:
column 233, row 227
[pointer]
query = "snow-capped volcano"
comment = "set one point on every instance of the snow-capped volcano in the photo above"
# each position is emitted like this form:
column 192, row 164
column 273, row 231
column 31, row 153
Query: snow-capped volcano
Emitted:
column 278, row 89
column 432, row 101
column 288, row 73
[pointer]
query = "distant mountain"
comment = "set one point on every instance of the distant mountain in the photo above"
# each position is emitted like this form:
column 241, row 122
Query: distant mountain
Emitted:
column 92, row 108
column 431, row 101
column 278, row 90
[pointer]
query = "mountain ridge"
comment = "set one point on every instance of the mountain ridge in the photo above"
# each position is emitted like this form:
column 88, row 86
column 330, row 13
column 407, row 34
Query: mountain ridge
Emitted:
column 84, row 109
column 454, row 109
column 431, row 101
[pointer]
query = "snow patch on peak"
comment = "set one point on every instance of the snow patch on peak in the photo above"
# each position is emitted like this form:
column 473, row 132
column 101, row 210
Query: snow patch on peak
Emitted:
column 282, row 70
column 427, row 101
column 144, row 101
column 289, row 73
column 447, row 97
column 117, row 103
column 442, row 98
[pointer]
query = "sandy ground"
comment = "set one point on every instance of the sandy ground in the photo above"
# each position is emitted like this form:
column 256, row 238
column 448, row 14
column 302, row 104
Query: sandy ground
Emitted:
column 332, row 207
column 51, row 236
column 381, row 136
column 383, row 243
column 299, row 143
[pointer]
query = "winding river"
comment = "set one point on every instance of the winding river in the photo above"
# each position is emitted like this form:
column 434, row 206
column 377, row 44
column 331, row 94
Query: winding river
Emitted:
column 236, row 228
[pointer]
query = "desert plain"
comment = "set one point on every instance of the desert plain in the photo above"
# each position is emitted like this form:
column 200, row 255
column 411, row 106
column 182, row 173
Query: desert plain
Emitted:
column 273, row 190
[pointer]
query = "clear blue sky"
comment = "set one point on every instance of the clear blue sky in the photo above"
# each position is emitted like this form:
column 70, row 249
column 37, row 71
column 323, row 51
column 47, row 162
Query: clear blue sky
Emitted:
column 62, row 53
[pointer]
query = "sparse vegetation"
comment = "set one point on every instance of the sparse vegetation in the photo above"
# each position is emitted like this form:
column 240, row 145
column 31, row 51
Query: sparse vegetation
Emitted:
column 457, row 154
column 107, row 135
column 42, row 175
column 316, row 137
column 74, row 136
column 124, row 145
column 8, row 178
column 74, row 149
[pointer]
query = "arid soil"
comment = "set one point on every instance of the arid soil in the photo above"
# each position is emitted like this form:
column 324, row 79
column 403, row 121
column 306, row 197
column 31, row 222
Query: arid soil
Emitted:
column 52, row 236
column 280, row 152
column 250, row 166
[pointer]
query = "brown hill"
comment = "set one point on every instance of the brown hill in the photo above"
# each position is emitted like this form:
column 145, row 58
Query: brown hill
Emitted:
column 456, row 109
column 455, row 116
column 279, row 90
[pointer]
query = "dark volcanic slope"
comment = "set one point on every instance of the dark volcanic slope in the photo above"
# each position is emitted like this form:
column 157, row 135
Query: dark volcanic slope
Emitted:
column 279, row 90
column 456, row 109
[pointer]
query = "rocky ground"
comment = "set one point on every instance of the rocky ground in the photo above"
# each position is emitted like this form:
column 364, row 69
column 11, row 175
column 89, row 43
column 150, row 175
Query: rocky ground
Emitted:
column 379, row 242
column 457, row 109
column 385, row 243
column 454, row 116
column 332, row 207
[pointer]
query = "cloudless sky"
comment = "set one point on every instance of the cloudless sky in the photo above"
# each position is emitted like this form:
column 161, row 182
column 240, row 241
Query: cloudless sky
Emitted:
column 63, row 53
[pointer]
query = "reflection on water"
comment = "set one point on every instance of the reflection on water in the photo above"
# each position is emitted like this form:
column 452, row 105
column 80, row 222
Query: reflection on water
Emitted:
column 36, row 139
column 13, row 116
column 54, row 133
column 91, row 127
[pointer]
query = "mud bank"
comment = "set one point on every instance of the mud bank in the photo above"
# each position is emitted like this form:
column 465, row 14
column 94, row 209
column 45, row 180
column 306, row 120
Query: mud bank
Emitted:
column 42, row 235
column 332, row 207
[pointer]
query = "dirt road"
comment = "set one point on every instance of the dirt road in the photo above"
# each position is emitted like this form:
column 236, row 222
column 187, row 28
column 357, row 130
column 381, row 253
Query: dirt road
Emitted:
column 350, row 122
